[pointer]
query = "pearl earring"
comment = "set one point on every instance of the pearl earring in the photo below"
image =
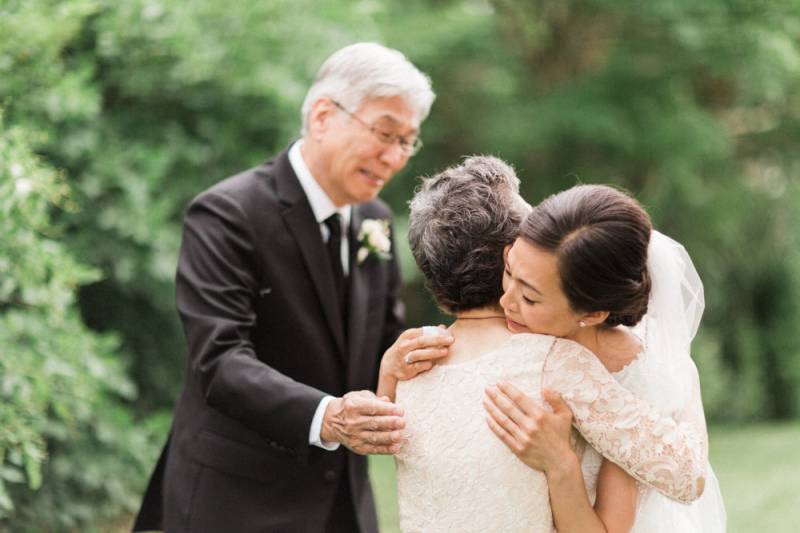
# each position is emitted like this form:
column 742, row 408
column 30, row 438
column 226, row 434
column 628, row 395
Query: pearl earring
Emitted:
column 582, row 324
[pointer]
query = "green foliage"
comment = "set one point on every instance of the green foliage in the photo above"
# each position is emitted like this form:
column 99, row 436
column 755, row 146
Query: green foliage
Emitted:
column 60, row 390
column 692, row 108
column 63, row 396
column 189, row 94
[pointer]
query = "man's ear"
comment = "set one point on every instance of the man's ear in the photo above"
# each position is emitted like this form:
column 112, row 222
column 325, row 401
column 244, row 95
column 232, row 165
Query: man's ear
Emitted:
column 594, row 318
column 322, row 111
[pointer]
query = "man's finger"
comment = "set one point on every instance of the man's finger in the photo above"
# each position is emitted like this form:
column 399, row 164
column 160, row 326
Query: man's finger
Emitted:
column 379, row 450
column 382, row 438
column 359, row 405
column 379, row 423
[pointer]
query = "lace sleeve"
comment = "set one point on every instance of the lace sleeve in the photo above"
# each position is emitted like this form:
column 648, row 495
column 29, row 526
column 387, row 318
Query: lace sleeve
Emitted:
column 669, row 454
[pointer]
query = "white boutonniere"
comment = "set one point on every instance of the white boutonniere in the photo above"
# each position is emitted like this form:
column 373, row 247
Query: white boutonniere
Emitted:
column 374, row 239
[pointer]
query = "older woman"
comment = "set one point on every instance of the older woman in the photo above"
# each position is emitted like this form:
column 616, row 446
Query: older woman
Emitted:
column 453, row 473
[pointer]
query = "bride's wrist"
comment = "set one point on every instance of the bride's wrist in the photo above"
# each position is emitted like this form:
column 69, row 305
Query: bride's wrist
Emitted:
column 564, row 468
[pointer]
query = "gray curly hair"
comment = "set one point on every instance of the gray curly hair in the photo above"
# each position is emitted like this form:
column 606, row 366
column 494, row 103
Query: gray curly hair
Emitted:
column 460, row 221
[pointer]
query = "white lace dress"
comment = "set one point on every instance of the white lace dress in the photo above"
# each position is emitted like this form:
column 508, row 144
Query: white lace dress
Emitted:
column 656, row 513
column 454, row 474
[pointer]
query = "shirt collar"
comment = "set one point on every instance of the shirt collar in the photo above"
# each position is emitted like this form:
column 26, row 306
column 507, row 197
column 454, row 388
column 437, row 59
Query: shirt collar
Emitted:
column 321, row 204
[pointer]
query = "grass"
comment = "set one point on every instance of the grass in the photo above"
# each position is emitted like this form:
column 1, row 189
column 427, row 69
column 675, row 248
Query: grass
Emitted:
column 758, row 469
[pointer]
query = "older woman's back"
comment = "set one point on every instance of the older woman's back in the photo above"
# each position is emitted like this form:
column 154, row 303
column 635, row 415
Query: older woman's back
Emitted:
column 453, row 474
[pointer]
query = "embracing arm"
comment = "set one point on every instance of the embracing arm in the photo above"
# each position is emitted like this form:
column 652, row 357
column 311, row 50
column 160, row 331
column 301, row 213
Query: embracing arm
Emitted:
column 615, row 506
column 541, row 440
column 666, row 453
column 412, row 354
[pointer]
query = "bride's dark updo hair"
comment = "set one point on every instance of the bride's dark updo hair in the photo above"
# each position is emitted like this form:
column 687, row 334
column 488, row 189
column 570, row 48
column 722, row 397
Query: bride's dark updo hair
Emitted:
column 600, row 236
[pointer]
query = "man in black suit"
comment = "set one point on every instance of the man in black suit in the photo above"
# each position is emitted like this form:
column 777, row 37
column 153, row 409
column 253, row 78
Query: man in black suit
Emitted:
column 287, row 287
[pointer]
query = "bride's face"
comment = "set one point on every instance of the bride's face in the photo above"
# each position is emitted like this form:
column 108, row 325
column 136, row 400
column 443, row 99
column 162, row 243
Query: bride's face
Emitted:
column 533, row 300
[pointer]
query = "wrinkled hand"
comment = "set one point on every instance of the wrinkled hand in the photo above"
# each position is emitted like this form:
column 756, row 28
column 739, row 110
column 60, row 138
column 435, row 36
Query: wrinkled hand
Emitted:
column 364, row 423
column 539, row 438
column 414, row 353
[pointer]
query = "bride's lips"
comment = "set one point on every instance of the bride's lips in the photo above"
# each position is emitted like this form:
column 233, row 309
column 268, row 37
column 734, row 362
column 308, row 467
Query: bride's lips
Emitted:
column 516, row 327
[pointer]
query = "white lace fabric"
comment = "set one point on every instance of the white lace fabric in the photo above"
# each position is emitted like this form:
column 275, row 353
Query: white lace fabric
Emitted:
column 669, row 454
column 654, row 512
column 454, row 474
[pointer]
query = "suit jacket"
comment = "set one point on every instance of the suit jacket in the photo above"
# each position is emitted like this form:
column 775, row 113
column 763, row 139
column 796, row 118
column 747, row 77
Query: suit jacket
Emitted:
column 266, row 341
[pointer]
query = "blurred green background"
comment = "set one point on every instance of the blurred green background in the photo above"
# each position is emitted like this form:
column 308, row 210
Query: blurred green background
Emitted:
column 113, row 115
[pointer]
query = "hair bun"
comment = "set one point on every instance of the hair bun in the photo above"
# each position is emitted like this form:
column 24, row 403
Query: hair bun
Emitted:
column 640, row 298
column 600, row 237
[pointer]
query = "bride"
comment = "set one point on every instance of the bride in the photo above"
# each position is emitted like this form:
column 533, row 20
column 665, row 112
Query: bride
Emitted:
column 566, row 250
column 454, row 474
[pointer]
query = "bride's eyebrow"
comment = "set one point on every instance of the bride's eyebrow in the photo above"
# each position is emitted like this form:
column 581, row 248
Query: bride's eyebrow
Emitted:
column 525, row 283
column 531, row 287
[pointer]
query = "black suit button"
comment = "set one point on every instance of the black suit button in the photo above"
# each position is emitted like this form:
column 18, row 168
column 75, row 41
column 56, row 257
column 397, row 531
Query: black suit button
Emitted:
column 329, row 475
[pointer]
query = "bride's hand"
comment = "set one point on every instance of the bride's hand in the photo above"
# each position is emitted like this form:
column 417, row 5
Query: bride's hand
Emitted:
column 414, row 353
column 539, row 438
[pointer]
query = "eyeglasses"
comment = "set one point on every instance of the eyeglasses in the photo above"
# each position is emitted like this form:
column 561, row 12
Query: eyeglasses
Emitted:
column 409, row 146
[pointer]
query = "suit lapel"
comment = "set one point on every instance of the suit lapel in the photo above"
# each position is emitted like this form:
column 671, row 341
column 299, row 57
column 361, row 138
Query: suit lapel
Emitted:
column 300, row 220
column 358, row 289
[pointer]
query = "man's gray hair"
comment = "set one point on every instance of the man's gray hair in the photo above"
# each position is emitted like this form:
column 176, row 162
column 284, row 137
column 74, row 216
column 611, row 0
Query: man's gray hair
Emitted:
column 363, row 71
column 460, row 221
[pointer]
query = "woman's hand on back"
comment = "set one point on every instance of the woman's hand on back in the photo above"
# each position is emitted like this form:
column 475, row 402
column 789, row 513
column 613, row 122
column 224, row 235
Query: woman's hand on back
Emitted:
column 411, row 354
column 414, row 353
column 539, row 437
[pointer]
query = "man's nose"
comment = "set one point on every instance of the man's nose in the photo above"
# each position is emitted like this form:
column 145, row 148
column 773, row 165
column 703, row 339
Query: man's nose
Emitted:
column 393, row 156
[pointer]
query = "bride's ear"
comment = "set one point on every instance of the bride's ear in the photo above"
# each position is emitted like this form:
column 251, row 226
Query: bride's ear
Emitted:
column 594, row 318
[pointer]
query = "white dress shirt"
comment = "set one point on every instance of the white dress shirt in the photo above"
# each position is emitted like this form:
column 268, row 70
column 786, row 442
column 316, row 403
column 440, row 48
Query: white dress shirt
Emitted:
column 323, row 207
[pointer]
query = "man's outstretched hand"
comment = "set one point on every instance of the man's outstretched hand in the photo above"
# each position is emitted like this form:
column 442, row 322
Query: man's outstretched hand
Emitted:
column 364, row 423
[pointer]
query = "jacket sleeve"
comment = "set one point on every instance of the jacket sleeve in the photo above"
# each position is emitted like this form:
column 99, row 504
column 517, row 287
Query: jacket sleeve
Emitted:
column 216, row 290
column 668, row 454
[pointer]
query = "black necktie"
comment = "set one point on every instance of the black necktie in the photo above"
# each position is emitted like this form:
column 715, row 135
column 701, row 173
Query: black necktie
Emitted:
column 334, row 223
